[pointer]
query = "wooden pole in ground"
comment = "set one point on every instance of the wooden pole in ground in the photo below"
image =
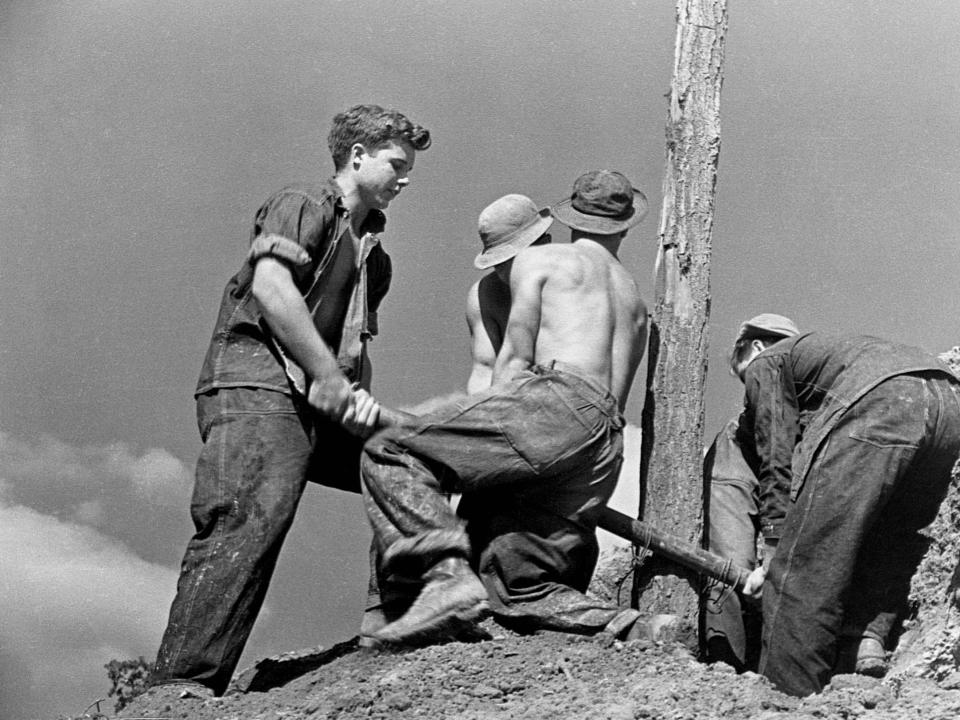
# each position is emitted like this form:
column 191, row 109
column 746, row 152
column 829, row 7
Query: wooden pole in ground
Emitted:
column 672, row 418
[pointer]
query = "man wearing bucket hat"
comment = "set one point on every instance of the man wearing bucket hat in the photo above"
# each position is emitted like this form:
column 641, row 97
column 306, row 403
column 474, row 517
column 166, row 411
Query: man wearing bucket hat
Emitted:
column 522, row 594
column 535, row 450
column 506, row 226
column 730, row 629
column 854, row 440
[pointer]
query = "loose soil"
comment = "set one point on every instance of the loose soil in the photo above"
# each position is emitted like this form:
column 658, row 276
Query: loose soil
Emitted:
column 550, row 676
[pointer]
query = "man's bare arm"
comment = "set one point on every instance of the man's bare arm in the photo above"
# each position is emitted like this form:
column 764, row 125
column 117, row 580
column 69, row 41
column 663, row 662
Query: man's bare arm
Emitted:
column 622, row 387
column 287, row 315
column 482, row 353
column 520, row 337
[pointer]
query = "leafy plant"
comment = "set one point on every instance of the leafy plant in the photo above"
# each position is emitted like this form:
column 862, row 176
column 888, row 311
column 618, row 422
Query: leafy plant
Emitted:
column 128, row 679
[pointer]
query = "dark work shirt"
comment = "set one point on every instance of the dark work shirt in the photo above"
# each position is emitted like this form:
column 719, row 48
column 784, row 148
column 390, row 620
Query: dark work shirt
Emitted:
column 302, row 227
column 332, row 311
column 796, row 391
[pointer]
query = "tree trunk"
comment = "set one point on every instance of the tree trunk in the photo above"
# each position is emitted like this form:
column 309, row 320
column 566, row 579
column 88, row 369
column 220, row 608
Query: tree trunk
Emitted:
column 672, row 418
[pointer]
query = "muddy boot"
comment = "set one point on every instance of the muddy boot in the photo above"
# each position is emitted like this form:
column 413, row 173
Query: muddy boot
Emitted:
column 384, row 607
column 452, row 600
column 373, row 620
column 871, row 658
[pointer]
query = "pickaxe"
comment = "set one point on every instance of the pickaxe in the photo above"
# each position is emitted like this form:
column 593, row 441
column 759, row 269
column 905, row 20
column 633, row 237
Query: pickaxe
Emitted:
column 636, row 531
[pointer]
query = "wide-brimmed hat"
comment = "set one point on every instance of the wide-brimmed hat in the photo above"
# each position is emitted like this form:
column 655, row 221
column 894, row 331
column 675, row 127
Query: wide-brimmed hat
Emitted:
column 603, row 202
column 765, row 325
column 507, row 226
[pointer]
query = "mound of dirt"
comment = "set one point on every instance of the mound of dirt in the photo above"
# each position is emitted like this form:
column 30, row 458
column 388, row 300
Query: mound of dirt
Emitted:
column 546, row 676
column 566, row 677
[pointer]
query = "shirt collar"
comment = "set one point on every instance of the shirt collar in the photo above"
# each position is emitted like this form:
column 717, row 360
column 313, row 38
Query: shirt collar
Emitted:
column 375, row 220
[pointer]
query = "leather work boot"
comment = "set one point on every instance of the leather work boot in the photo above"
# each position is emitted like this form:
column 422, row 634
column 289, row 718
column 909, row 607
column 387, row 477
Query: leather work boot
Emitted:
column 389, row 606
column 871, row 658
column 452, row 600
column 374, row 620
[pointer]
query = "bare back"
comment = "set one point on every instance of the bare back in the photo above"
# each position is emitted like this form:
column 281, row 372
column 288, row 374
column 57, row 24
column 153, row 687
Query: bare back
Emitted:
column 574, row 303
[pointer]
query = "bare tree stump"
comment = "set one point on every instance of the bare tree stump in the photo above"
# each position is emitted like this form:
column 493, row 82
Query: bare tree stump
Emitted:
column 672, row 419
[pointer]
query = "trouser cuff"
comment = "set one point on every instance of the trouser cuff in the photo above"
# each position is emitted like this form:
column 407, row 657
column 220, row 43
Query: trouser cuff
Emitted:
column 425, row 549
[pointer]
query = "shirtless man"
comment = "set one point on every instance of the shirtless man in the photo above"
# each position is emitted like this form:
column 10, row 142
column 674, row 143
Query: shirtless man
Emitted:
column 542, row 444
column 506, row 226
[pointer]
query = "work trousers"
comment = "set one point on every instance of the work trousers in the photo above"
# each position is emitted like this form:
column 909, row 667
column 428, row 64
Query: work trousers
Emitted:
column 878, row 479
column 535, row 461
column 730, row 624
column 260, row 448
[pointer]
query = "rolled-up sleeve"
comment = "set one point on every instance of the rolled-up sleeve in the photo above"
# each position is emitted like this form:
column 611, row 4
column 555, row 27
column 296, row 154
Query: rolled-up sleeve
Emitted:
column 279, row 247
column 772, row 420
column 292, row 228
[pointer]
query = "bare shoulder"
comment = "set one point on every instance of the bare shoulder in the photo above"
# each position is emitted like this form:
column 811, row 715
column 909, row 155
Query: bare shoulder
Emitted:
column 555, row 262
column 537, row 257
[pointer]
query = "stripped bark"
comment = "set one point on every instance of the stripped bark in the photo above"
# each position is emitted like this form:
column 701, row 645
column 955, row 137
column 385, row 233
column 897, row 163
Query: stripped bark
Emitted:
column 672, row 419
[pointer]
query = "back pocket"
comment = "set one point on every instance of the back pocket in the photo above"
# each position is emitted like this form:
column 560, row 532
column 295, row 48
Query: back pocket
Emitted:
column 544, row 429
column 894, row 414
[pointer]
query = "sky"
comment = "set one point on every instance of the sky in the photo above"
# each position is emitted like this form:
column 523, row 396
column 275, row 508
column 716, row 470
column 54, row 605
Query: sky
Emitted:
column 137, row 139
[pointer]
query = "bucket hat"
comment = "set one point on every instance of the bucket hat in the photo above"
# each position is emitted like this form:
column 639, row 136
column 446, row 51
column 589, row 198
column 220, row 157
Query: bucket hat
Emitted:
column 507, row 226
column 603, row 202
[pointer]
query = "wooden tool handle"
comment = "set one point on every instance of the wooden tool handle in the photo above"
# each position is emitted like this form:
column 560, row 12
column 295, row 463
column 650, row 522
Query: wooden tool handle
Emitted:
column 673, row 548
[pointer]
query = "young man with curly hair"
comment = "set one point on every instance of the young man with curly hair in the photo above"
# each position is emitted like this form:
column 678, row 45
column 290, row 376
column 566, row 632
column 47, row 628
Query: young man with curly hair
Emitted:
column 283, row 392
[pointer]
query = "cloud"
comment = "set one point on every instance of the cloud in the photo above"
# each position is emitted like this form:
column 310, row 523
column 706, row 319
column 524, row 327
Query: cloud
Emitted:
column 73, row 599
column 48, row 467
column 156, row 475
column 140, row 498
column 90, row 513
column 91, row 539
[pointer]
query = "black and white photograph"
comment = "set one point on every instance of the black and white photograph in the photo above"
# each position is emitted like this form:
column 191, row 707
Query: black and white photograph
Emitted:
column 522, row 359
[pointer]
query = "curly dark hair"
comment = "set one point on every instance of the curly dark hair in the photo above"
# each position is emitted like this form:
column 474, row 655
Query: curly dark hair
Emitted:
column 371, row 125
